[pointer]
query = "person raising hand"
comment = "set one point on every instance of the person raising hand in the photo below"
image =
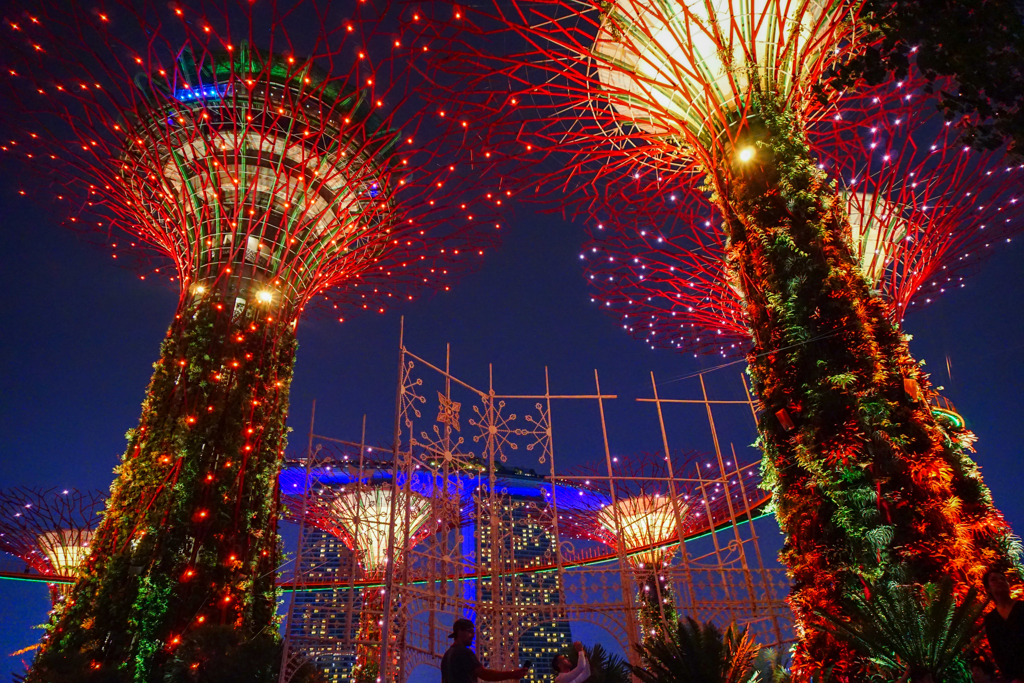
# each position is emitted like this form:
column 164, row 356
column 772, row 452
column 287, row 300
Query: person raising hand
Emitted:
column 564, row 671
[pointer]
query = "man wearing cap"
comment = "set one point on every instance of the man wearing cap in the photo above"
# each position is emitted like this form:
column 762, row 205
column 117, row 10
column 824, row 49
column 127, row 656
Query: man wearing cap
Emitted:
column 460, row 664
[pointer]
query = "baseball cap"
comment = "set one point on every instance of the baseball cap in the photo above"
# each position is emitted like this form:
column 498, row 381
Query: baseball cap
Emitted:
column 461, row 625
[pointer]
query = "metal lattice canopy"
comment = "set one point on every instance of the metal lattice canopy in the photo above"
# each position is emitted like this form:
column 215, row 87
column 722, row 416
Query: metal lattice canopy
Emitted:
column 311, row 172
column 646, row 514
column 361, row 515
column 643, row 521
column 683, row 71
column 277, row 173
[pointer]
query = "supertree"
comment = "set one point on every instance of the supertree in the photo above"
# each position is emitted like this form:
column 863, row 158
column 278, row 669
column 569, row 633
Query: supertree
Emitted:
column 49, row 530
column 924, row 215
column 262, row 160
column 647, row 511
column 361, row 514
column 867, row 484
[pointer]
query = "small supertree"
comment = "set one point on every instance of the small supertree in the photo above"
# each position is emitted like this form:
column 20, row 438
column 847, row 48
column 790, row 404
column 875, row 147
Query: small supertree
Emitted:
column 264, row 159
column 49, row 530
column 645, row 513
column 863, row 474
column 361, row 514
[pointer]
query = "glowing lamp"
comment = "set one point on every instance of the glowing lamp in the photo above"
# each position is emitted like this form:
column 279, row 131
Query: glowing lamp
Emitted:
column 746, row 154
column 683, row 70
column 265, row 297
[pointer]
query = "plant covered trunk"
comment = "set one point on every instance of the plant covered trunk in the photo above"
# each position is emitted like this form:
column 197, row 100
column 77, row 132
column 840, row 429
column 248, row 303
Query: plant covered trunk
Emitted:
column 868, row 484
column 189, row 534
column 369, row 637
column 657, row 605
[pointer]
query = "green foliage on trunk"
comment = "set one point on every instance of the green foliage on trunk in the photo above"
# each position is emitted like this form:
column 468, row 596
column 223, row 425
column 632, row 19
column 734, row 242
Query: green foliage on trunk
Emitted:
column 189, row 535
column 868, row 485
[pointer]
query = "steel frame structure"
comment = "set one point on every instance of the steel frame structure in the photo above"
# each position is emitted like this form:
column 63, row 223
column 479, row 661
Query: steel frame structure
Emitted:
column 720, row 575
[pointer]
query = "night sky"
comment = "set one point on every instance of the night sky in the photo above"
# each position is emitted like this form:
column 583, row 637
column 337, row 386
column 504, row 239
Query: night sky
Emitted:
column 79, row 335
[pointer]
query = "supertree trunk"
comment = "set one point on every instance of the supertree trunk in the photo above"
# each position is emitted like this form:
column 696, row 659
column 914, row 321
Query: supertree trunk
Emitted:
column 657, row 605
column 369, row 636
column 868, row 485
column 189, row 535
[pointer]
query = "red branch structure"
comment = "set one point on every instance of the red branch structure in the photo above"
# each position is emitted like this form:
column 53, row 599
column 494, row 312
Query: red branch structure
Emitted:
column 925, row 212
column 359, row 515
column 264, row 160
column 344, row 191
column 49, row 530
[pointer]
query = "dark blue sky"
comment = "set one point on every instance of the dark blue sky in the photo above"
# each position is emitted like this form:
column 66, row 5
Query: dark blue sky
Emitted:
column 79, row 336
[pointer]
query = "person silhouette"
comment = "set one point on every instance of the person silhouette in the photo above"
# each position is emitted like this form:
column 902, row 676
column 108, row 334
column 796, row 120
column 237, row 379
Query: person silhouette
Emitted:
column 1004, row 626
column 460, row 664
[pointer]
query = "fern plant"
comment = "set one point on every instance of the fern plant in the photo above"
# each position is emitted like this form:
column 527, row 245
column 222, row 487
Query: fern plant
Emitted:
column 916, row 630
column 691, row 652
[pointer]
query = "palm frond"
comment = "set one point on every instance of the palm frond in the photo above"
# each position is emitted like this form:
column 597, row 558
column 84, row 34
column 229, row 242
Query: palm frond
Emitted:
column 691, row 652
column 908, row 627
column 770, row 668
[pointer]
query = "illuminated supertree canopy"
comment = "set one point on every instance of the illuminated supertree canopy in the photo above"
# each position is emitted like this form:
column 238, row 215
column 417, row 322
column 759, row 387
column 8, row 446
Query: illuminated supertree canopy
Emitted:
column 643, row 523
column 376, row 524
column 924, row 214
column 361, row 517
column 584, row 95
column 262, row 160
column 49, row 530
column 652, row 506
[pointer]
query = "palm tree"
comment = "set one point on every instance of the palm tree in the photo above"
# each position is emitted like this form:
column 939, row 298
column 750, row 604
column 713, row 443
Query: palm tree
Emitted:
column 770, row 668
column 691, row 652
column 917, row 631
